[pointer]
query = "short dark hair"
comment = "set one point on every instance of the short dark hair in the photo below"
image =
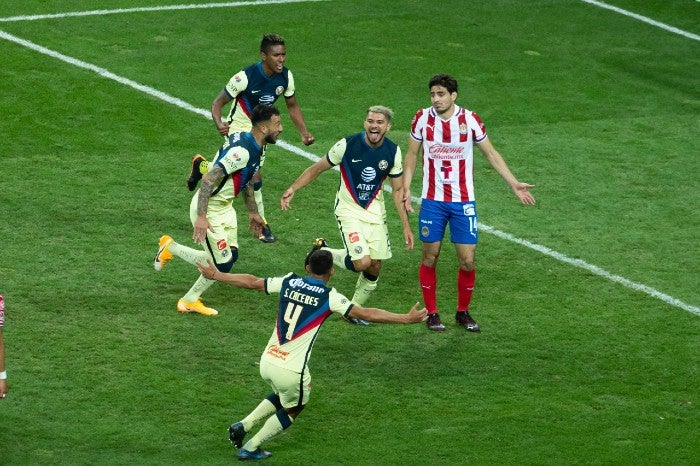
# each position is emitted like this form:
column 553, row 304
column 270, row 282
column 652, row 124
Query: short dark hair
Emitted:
column 444, row 80
column 263, row 112
column 269, row 40
column 319, row 261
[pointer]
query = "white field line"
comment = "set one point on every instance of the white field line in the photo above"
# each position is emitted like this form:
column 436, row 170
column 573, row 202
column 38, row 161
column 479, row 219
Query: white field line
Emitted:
column 644, row 19
column 154, row 8
column 296, row 150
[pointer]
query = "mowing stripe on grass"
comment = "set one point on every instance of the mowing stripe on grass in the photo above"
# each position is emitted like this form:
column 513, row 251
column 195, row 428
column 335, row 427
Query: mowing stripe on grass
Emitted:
column 296, row 150
column 644, row 19
column 606, row 6
column 154, row 8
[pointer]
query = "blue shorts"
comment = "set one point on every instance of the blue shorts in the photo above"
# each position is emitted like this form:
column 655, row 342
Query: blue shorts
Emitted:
column 434, row 216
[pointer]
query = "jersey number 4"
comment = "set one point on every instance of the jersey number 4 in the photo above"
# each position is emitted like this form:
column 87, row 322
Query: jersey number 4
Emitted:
column 291, row 316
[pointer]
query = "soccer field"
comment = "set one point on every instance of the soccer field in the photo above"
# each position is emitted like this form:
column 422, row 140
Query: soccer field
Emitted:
column 588, row 302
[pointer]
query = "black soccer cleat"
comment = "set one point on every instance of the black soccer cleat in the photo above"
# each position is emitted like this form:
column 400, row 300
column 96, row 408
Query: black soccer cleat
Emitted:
column 465, row 320
column 236, row 433
column 434, row 323
column 266, row 235
column 195, row 173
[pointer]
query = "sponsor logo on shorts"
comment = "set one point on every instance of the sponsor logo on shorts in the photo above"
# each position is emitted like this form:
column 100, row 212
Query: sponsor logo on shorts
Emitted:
column 469, row 210
column 358, row 249
column 354, row 237
column 221, row 245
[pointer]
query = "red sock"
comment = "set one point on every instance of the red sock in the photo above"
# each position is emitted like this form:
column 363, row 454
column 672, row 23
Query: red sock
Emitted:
column 465, row 288
column 428, row 281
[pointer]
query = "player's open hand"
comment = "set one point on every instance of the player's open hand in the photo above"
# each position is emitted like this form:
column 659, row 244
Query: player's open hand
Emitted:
column 522, row 191
column 416, row 315
column 208, row 271
column 286, row 201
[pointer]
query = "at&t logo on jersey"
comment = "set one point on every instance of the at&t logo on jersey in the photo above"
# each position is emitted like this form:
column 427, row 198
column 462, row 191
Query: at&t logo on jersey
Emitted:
column 368, row 174
column 267, row 99
column 365, row 189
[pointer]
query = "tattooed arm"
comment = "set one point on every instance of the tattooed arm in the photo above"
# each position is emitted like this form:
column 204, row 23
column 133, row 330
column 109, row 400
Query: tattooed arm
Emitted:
column 209, row 182
column 256, row 221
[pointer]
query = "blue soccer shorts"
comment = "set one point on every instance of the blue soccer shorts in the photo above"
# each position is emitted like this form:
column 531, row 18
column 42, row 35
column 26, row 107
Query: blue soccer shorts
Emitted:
column 434, row 216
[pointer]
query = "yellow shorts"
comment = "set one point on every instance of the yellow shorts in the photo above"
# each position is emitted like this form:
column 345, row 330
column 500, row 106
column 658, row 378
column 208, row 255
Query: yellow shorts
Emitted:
column 292, row 387
column 224, row 229
column 364, row 239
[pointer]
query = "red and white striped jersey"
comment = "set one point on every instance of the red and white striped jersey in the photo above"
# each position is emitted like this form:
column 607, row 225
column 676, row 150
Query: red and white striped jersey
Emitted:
column 448, row 153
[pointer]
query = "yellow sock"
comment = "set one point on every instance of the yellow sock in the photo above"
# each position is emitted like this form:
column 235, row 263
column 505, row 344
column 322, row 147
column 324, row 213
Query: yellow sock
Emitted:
column 363, row 288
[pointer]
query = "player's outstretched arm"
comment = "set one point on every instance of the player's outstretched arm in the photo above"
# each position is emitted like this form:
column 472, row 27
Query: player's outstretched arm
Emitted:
column 306, row 177
column 240, row 280
column 521, row 190
column 381, row 316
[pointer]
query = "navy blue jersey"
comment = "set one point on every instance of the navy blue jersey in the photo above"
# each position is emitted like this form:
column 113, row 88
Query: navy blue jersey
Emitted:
column 250, row 87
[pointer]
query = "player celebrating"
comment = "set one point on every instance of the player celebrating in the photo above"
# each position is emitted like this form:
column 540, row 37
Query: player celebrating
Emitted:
column 365, row 160
column 261, row 83
column 211, row 210
column 304, row 304
column 446, row 134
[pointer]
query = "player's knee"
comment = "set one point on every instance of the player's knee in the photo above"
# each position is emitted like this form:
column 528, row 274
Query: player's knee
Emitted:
column 226, row 267
column 374, row 267
column 275, row 400
column 363, row 264
column 257, row 185
column 285, row 418
column 294, row 412
column 466, row 265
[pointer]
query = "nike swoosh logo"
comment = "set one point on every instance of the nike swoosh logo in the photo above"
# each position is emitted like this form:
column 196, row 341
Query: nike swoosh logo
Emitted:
column 254, row 92
column 356, row 160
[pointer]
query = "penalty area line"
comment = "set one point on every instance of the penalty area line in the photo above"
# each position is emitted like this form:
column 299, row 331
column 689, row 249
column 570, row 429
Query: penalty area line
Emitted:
column 313, row 158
